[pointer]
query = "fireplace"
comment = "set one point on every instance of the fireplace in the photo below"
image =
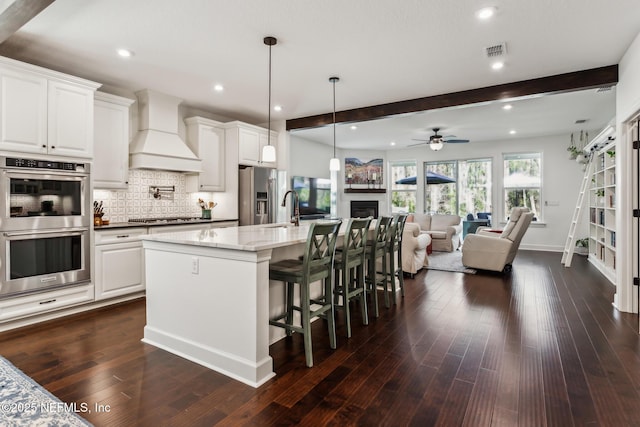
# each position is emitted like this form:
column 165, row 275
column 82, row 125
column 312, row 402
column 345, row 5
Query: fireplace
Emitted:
column 364, row 208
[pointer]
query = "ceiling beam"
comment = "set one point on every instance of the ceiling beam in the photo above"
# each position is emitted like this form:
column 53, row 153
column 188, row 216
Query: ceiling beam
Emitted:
column 19, row 13
column 569, row 82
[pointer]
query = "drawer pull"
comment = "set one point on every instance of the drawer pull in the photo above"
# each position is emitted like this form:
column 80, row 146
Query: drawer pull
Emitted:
column 48, row 301
column 122, row 236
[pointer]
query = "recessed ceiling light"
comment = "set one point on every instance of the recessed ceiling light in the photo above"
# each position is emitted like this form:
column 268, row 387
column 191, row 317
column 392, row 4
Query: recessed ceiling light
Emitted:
column 218, row 88
column 497, row 65
column 512, row 132
column 353, row 127
column 277, row 107
column 507, row 107
column 486, row 13
column 125, row 53
column 392, row 143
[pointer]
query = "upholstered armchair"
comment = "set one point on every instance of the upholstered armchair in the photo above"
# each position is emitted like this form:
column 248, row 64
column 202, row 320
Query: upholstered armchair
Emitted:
column 445, row 230
column 414, row 249
column 487, row 250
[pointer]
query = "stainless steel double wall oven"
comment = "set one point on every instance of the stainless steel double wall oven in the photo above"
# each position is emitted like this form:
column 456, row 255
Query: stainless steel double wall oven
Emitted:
column 45, row 219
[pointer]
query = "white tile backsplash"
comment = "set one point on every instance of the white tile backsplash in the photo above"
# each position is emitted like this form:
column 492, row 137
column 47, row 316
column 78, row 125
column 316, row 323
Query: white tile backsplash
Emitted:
column 136, row 202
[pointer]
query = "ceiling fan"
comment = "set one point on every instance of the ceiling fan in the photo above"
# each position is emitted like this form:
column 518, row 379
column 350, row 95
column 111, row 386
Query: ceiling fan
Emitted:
column 436, row 141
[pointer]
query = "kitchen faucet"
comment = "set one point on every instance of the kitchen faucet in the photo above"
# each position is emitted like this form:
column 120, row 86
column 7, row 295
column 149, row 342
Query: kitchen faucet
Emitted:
column 295, row 219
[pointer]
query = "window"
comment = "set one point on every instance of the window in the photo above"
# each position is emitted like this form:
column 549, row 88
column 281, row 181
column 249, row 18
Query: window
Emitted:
column 441, row 190
column 522, row 182
column 474, row 177
column 403, row 185
column 458, row 187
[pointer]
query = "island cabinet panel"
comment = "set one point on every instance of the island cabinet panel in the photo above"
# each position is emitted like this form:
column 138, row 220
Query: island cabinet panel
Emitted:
column 45, row 112
column 192, row 294
column 111, row 141
column 198, row 280
column 119, row 260
column 207, row 140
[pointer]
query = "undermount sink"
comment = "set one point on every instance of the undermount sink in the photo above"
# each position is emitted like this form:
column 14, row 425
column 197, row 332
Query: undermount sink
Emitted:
column 280, row 226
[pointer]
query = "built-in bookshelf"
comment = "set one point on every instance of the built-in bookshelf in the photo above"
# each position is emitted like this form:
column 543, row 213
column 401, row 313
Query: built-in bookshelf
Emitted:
column 602, row 212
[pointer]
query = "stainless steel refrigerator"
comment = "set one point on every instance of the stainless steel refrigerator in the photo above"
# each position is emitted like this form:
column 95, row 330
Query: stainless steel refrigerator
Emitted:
column 258, row 193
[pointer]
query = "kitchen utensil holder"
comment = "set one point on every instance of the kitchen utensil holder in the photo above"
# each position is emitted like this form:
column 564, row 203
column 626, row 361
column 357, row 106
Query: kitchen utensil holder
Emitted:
column 206, row 214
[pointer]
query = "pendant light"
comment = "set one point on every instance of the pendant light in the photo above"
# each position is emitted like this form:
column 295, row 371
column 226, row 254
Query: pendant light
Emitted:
column 334, row 163
column 269, row 151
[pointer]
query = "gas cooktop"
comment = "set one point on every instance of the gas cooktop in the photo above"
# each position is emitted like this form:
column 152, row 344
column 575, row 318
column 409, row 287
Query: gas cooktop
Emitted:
column 171, row 219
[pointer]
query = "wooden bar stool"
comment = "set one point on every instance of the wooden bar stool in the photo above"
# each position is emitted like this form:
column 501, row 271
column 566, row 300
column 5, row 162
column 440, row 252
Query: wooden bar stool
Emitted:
column 375, row 249
column 349, row 269
column 316, row 264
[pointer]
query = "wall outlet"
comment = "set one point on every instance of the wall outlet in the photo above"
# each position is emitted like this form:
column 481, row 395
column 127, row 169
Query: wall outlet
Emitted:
column 195, row 265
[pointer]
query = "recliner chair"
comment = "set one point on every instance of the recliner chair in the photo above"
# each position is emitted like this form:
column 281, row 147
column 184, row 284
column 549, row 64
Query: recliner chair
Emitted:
column 487, row 250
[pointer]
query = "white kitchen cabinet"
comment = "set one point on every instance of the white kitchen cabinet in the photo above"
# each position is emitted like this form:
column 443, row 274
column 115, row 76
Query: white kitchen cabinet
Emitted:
column 39, row 303
column 119, row 260
column 207, row 140
column 23, row 117
column 45, row 112
column 250, row 139
column 111, row 141
column 70, row 120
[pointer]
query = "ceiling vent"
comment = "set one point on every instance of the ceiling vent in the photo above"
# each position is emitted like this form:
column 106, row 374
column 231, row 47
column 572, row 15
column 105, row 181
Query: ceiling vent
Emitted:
column 496, row 51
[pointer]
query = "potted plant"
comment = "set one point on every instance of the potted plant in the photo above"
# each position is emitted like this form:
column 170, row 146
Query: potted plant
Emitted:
column 582, row 246
column 582, row 158
column 573, row 152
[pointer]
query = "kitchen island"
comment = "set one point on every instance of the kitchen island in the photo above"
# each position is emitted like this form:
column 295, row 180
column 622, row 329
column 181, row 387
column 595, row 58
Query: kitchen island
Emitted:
column 209, row 299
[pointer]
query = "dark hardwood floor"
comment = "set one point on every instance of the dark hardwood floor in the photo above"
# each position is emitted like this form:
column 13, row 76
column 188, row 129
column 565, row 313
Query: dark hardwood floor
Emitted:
column 541, row 347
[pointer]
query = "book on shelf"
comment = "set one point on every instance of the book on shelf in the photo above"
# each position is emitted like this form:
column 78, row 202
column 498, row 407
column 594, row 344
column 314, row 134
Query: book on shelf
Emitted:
column 592, row 215
column 612, row 239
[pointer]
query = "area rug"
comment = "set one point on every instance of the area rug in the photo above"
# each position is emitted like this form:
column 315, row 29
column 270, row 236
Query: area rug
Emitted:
column 24, row 402
column 448, row 261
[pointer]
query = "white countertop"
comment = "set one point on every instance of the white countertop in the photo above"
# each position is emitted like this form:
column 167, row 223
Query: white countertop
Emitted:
column 244, row 238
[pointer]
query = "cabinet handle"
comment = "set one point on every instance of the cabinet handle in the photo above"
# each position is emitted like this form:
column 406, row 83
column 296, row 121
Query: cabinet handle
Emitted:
column 53, row 147
column 47, row 302
column 122, row 236
column 44, row 146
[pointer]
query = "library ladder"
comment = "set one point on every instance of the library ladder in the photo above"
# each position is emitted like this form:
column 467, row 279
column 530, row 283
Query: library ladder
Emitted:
column 570, row 245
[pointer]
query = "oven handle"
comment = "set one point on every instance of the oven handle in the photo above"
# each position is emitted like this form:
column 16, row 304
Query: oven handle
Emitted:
column 62, row 233
column 44, row 172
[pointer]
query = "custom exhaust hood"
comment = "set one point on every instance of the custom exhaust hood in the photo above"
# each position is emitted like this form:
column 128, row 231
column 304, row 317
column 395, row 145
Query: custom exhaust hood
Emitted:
column 158, row 145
